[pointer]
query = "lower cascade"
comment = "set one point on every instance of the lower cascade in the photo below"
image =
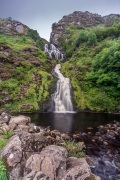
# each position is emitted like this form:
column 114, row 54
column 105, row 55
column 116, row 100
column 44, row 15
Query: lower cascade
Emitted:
column 62, row 98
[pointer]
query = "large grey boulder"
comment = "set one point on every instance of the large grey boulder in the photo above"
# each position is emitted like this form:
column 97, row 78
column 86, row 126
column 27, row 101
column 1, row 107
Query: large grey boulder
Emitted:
column 77, row 168
column 51, row 161
column 18, row 120
column 12, row 152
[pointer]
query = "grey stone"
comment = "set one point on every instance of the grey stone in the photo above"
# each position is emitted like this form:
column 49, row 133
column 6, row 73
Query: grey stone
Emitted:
column 51, row 161
column 20, row 29
column 18, row 120
column 5, row 118
column 77, row 169
column 34, row 175
column 12, row 152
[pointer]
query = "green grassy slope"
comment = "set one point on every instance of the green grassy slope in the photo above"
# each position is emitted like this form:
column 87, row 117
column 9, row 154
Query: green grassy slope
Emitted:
column 25, row 73
column 93, row 66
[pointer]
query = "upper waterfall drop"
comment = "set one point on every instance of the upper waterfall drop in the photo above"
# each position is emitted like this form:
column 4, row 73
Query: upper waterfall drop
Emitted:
column 62, row 97
column 53, row 52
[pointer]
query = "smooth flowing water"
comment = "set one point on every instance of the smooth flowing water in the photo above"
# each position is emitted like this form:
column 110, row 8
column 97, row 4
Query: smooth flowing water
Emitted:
column 62, row 98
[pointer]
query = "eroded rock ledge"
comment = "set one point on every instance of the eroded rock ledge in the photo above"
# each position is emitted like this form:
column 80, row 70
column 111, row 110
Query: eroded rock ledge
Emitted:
column 31, row 155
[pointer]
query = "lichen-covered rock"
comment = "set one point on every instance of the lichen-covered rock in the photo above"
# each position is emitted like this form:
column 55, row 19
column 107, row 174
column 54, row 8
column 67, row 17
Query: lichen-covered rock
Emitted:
column 18, row 120
column 34, row 175
column 32, row 142
column 51, row 161
column 77, row 169
column 4, row 117
column 12, row 152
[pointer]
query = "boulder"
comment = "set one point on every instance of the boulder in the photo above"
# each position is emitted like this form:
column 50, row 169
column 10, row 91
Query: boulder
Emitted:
column 12, row 152
column 51, row 161
column 5, row 117
column 32, row 142
column 18, row 120
column 77, row 168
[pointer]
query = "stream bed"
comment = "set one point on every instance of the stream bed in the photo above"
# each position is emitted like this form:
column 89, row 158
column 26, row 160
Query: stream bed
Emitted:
column 99, row 131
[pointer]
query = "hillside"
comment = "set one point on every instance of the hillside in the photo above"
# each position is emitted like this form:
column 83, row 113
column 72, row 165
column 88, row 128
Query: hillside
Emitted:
column 80, row 19
column 93, row 65
column 25, row 77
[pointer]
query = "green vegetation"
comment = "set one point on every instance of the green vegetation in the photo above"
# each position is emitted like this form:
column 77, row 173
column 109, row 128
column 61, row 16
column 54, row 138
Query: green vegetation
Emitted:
column 39, row 42
column 74, row 149
column 25, row 73
column 16, row 42
column 2, row 143
column 93, row 66
column 3, row 174
column 4, row 137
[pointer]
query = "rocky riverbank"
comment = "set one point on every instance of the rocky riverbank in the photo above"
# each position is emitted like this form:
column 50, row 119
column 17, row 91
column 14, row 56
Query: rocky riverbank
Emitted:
column 36, row 153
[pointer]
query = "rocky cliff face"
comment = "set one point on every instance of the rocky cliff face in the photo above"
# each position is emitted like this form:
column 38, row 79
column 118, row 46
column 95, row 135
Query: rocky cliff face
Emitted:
column 79, row 18
column 12, row 27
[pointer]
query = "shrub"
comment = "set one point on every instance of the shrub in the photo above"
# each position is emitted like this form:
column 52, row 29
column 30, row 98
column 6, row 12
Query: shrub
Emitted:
column 74, row 149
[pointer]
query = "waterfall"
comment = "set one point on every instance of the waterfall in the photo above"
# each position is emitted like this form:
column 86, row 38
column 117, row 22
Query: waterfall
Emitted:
column 62, row 98
column 53, row 52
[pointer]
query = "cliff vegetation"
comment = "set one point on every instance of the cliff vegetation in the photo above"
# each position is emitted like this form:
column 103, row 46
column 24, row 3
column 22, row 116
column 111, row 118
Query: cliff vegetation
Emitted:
column 93, row 65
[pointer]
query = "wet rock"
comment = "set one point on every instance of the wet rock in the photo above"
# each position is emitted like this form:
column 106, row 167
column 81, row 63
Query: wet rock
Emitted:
column 18, row 120
column 102, row 129
column 51, row 161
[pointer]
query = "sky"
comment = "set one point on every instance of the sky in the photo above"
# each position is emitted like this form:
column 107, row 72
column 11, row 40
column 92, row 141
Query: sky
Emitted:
column 41, row 14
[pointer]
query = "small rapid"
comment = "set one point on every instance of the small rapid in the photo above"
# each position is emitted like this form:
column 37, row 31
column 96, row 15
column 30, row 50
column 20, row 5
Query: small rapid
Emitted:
column 62, row 98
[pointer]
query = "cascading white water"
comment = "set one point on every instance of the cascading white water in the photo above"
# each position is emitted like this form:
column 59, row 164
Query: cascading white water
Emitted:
column 53, row 52
column 62, row 97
